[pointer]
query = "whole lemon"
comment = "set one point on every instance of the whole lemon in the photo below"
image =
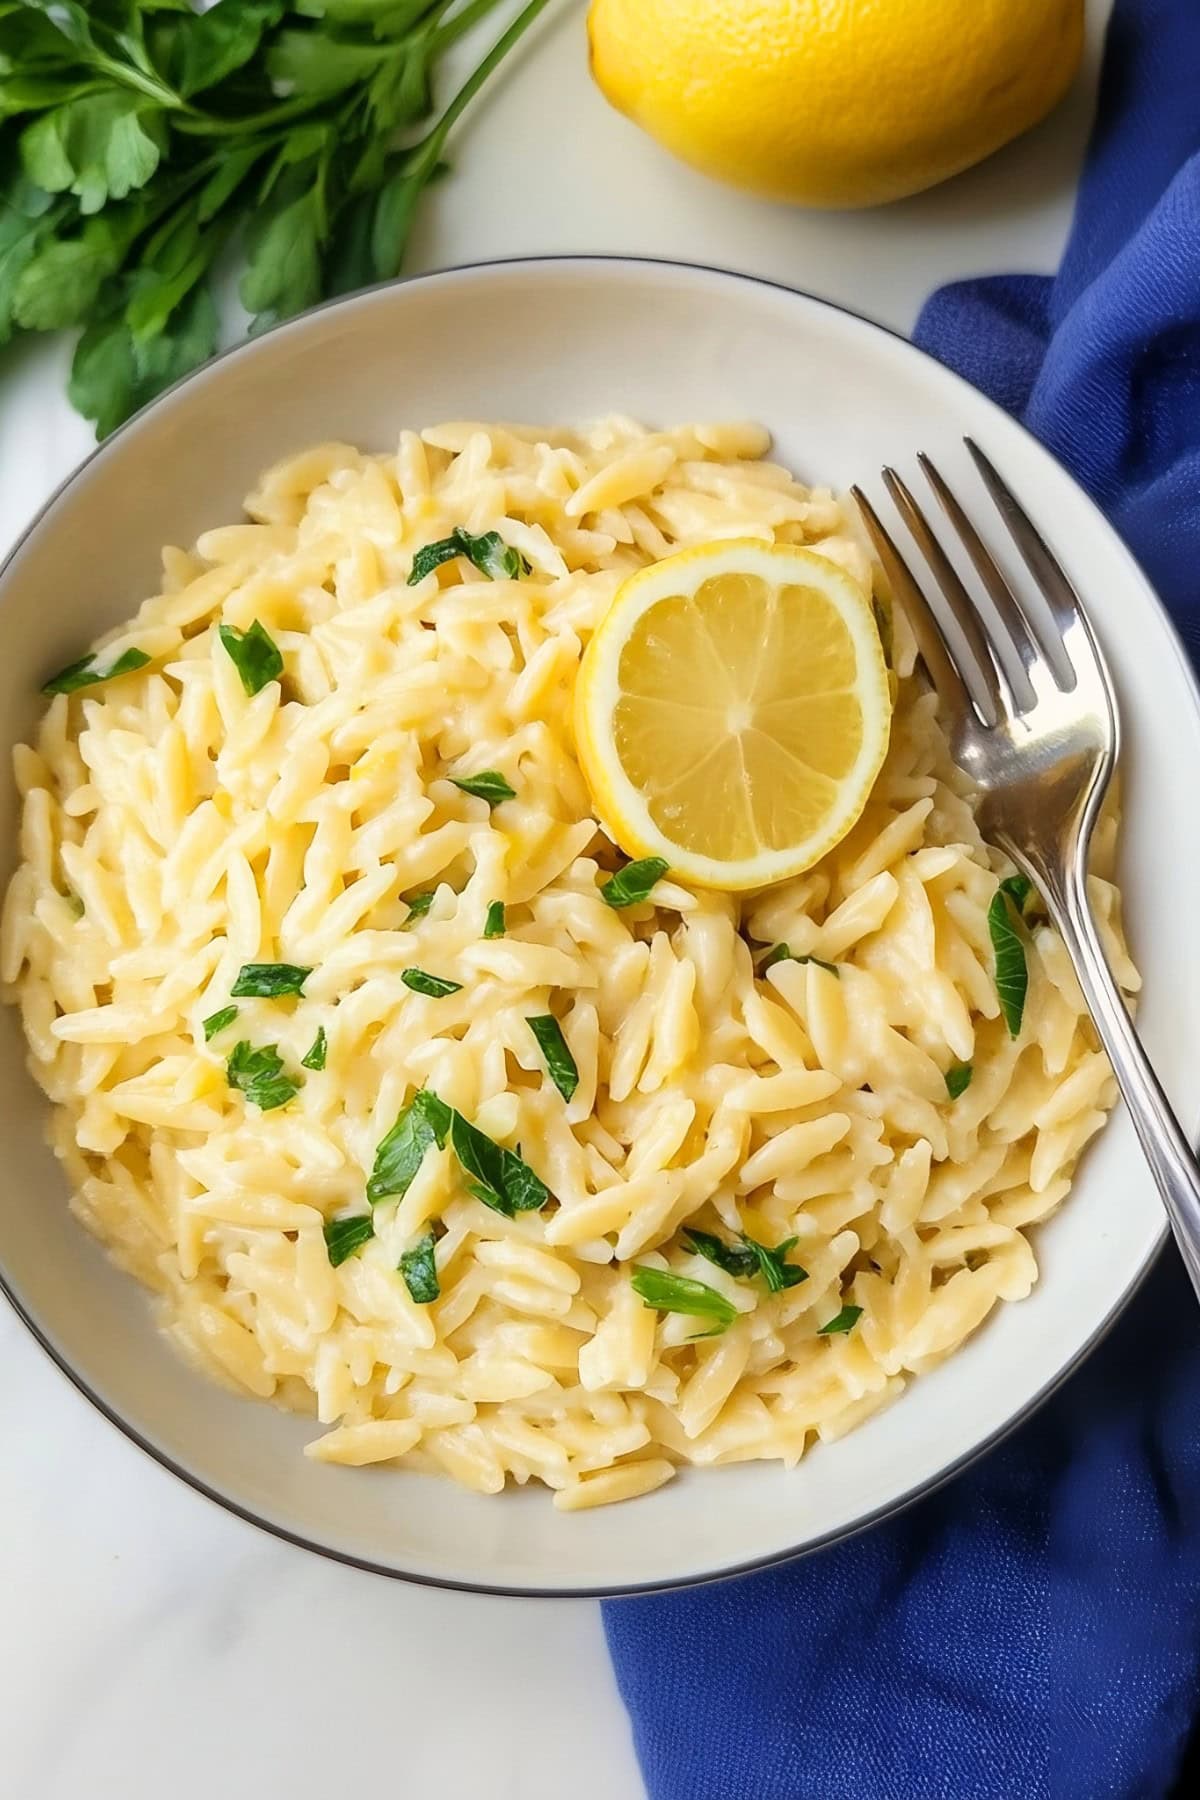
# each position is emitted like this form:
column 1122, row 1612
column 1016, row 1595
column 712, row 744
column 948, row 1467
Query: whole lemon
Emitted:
column 835, row 102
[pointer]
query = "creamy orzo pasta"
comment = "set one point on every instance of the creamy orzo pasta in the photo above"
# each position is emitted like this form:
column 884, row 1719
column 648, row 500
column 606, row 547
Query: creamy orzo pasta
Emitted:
column 413, row 1120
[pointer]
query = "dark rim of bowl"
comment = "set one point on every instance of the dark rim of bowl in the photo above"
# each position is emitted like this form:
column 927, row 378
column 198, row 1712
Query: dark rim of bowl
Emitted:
column 775, row 1558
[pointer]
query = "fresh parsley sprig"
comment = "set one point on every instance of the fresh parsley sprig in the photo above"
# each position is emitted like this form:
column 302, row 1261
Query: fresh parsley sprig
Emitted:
column 141, row 138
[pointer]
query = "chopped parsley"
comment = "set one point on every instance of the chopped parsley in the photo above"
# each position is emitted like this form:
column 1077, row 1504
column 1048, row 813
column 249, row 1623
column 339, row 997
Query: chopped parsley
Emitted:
column 488, row 785
column 316, row 1056
column 781, row 953
column 958, row 1079
column 260, row 1075
column 846, row 1320
column 346, row 1237
column 254, row 654
column 1012, row 970
column 423, row 1122
column 495, row 925
column 634, row 883
column 735, row 1259
column 667, row 1292
column 775, row 1271
column 749, row 1258
column 436, row 986
column 419, row 905
column 560, row 1064
column 85, row 673
column 1018, row 888
column 418, row 1265
column 498, row 1177
column 489, row 553
column 269, row 981
column 218, row 1021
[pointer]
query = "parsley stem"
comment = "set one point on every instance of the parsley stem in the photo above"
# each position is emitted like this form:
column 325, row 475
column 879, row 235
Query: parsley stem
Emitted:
column 462, row 22
column 127, row 75
column 202, row 124
column 426, row 153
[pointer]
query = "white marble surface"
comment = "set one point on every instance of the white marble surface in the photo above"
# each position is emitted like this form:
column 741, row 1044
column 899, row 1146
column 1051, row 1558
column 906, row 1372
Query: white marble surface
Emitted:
column 150, row 1643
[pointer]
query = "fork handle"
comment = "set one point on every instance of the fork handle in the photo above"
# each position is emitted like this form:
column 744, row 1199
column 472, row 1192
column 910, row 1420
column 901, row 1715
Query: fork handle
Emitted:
column 1167, row 1150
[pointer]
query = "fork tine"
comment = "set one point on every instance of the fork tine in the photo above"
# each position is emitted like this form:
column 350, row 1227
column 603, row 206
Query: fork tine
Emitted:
column 988, row 673
column 1052, row 579
column 1021, row 630
column 936, row 652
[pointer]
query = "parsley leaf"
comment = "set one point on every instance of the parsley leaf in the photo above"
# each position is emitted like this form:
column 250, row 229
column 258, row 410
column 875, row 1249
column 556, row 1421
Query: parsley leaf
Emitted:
column 775, row 1271
column 781, row 953
column 749, row 1258
column 98, row 146
column 1018, row 888
column 1012, row 971
column 489, row 553
column 423, row 1122
column 634, row 883
column 418, row 1265
column 560, row 1064
column 667, row 1292
column 958, row 1079
column 436, row 986
column 255, row 655
column 488, row 785
column 84, row 673
column 218, row 1021
column 496, row 924
column 733, row 1258
column 845, row 1320
column 268, row 981
column 316, row 1056
column 113, row 373
column 419, row 905
column 498, row 1177
column 260, row 1075
column 346, row 1237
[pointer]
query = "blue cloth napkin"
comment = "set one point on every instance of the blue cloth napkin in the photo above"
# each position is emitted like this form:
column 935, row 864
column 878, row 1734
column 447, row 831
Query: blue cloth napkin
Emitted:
column 1032, row 1632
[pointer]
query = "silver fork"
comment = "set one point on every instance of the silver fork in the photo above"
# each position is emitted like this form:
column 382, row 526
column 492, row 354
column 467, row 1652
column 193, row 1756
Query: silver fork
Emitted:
column 1032, row 718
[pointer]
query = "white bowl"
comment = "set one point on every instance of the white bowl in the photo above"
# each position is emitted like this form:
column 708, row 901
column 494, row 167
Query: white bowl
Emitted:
column 561, row 340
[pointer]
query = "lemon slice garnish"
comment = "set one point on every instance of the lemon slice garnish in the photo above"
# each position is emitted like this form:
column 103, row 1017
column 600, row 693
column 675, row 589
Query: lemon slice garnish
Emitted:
column 732, row 711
